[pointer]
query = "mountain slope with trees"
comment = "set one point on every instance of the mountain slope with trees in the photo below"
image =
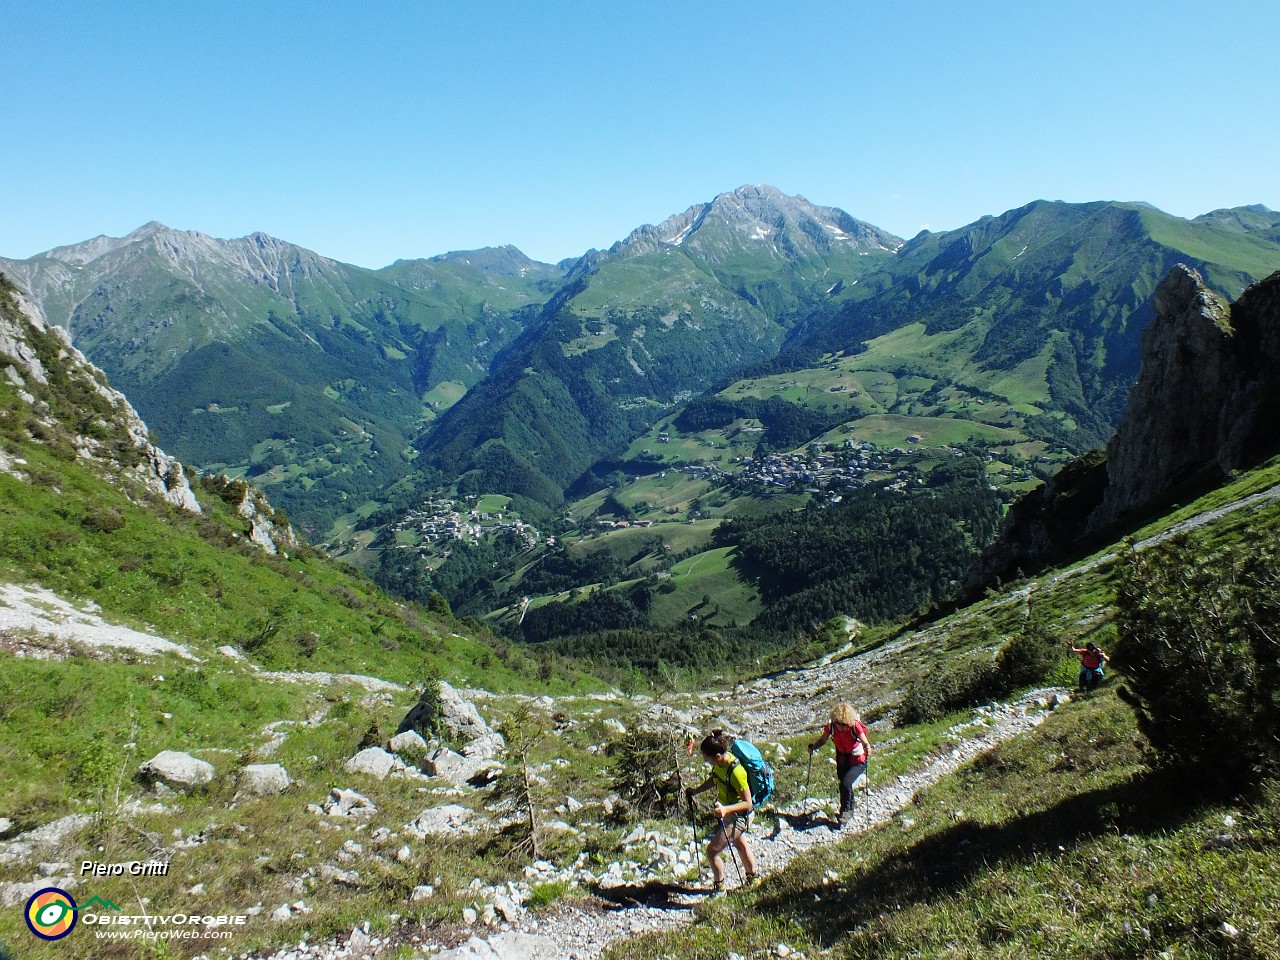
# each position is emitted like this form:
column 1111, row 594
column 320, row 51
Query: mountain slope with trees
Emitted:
column 259, row 357
column 657, row 318
column 1069, row 283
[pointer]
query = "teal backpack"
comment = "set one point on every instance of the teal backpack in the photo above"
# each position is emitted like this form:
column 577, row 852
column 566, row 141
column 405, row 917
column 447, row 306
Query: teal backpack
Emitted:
column 759, row 773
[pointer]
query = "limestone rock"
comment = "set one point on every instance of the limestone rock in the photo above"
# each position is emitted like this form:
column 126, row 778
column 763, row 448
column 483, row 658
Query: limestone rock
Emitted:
column 460, row 715
column 490, row 746
column 1170, row 428
column 450, row 818
column 27, row 846
column 346, row 803
column 179, row 771
column 263, row 779
column 149, row 465
column 1207, row 394
column 17, row 893
column 409, row 745
column 447, row 764
column 1204, row 404
column 373, row 761
column 505, row 946
column 343, row 878
column 358, row 943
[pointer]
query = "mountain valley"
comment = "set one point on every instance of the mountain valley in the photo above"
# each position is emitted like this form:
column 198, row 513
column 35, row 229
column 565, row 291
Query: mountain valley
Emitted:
column 323, row 826
column 752, row 355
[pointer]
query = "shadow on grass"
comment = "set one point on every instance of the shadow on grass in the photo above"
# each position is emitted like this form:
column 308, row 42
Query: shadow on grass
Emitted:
column 942, row 863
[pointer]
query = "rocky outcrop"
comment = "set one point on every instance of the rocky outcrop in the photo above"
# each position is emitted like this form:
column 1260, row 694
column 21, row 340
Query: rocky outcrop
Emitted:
column 374, row 762
column 265, row 526
column 263, row 779
column 268, row 527
column 454, row 712
column 1205, row 398
column 1205, row 403
column 30, row 350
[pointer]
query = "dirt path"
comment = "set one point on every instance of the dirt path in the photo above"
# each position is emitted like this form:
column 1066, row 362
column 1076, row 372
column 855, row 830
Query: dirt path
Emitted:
column 583, row 932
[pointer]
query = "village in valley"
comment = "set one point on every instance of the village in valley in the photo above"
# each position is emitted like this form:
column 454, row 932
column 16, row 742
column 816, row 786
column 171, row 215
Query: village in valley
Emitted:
column 820, row 470
column 441, row 520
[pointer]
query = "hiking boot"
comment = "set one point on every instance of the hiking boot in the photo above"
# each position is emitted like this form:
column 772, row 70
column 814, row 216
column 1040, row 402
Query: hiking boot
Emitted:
column 717, row 889
column 846, row 816
column 753, row 879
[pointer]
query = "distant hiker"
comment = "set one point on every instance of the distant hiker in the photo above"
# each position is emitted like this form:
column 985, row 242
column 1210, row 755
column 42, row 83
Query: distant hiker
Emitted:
column 849, row 734
column 733, row 808
column 1091, row 660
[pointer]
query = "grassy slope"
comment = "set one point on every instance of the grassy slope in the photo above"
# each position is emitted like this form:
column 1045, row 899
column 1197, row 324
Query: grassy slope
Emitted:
column 1060, row 843
column 76, row 722
column 1047, row 847
column 197, row 581
column 189, row 579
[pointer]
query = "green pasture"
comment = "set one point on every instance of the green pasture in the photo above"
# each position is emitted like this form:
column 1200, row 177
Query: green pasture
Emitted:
column 492, row 503
column 891, row 430
column 442, row 396
column 670, row 538
column 705, row 577
column 667, row 493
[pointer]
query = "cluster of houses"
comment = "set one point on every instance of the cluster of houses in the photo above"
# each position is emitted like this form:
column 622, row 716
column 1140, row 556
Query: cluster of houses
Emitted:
column 846, row 469
column 444, row 520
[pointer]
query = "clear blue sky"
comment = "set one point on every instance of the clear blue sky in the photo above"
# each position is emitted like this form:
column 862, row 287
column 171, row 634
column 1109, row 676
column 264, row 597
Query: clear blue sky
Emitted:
column 373, row 132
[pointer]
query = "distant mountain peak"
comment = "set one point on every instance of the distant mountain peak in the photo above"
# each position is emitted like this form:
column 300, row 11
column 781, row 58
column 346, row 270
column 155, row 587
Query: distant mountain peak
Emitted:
column 147, row 229
column 759, row 213
column 504, row 261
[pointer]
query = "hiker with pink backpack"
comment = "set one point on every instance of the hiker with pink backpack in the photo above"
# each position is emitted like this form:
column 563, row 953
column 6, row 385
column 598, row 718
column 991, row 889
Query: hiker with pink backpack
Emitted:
column 853, row 750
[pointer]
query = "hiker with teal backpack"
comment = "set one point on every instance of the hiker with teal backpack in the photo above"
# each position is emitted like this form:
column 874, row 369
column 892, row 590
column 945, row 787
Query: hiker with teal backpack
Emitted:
column 759, row 773
column 733, row 809
column 853, row 750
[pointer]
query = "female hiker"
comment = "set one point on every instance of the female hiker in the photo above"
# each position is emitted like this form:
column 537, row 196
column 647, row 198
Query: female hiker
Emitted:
column 733, row 809
column 1091, row 660
column 849, row 734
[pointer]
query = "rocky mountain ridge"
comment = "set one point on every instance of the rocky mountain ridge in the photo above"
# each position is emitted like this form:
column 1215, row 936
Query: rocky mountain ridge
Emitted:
column 225, row 345
column 1206, row 397
column 29, row 368
column 319, row 380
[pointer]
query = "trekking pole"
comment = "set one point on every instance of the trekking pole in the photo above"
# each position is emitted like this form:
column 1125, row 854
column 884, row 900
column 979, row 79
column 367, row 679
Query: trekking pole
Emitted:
column 807, row 778
column 732, row 855
column 693, row 829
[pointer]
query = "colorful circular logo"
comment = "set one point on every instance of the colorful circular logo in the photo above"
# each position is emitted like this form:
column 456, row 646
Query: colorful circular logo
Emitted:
column 51, row 913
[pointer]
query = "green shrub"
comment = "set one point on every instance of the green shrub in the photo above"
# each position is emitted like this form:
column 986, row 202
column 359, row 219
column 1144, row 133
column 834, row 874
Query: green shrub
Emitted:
column 962, row 683
column 427, row 716
column 647, row 772
column 1197, row 637
column 103, row 521
column 1030, row 657
column 545, row 894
